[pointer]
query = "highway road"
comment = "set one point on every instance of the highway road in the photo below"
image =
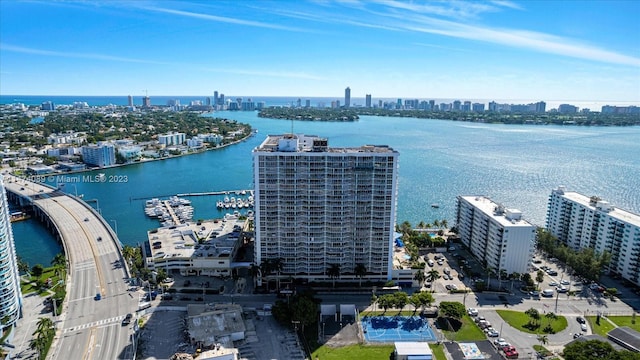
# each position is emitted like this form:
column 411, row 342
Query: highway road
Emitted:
column 88, row 328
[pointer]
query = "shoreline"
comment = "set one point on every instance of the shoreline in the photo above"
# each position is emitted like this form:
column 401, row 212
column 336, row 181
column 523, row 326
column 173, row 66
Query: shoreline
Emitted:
column 253, row 132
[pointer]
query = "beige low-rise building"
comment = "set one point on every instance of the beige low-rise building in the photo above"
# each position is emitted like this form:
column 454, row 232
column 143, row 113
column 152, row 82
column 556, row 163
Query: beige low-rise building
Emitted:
column 211, row 325
column 195, row 248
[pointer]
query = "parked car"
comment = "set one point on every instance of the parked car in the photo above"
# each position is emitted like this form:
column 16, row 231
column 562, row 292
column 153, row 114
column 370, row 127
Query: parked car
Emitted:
column 583, row 327
column 553, row 283
column 498, row 341
column 493, row 333
column 565, row 282
column 534, row 293
column 581, row 320
column 472, row 312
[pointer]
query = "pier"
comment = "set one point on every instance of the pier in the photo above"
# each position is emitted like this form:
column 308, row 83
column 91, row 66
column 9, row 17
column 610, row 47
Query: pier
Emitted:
column 207, row 193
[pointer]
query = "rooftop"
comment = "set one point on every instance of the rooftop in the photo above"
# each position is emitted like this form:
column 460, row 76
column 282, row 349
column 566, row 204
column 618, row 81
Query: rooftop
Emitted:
column 182, row 241
column 209, row 323
column 504, row 216
column 313, row 143
column 600, row 205
column 626, row 337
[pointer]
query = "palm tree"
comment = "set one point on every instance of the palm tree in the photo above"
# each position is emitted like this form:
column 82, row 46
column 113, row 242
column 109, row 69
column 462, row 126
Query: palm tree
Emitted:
column 502, row 274
column 514, row 276
column 334, row 272
column 444, row 223
column 551, row 317
column 421, row 225
column 436, row 223
column 41, row 336
column 433, row 275
column 360, row 271
column 490, row 271
column 533, row 314
column 278, row 266
column 543, row 339
column 420, row 277
column 254, row 271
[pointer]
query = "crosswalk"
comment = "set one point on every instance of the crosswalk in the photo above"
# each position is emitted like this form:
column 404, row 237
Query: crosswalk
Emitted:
column 99, row 323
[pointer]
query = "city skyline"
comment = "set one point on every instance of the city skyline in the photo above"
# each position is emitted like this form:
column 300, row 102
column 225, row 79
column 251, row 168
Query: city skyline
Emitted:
column 499, row 49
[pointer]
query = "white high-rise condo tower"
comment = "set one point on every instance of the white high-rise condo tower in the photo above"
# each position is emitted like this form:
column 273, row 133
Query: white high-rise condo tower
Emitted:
column 580, row 221
column 10, row 296
column 318, row 206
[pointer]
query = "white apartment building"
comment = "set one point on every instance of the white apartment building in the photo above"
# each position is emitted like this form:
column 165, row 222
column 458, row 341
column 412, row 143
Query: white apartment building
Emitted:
column 498, row 237
column 317, row 206
column 581, row 221
column 10, row 295
column 172, row 139
column 100, row 155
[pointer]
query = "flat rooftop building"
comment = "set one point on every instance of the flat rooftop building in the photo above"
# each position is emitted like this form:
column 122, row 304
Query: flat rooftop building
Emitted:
column 581, row 221
column 498, row 237
column 195, row 248
column 318, row 206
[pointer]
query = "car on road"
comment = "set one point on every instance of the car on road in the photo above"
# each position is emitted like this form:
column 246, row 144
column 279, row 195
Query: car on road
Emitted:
column 99, row 238
column 86, row 219
column 581, row 320
column 583, row 327
column 127, row 320
column 493, row 333
column 472, row 312
column 98, row 297
column 577, row 335
column 500, row 341
column 479, row 318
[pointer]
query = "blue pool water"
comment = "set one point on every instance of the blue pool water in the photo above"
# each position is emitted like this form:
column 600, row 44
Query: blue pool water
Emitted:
column 396, row 328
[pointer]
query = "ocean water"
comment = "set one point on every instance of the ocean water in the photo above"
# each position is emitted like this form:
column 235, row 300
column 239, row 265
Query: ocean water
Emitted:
column 517, row 165
column 34, row 243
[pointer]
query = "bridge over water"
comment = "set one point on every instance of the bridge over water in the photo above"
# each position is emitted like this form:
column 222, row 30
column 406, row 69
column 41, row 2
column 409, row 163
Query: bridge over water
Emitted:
column 87, row 328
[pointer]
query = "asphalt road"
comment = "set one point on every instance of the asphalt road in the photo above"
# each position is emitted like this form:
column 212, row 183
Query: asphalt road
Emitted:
column 87, row 326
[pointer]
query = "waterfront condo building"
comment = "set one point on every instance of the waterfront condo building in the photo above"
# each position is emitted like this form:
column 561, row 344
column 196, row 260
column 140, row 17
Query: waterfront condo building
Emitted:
column 100, row 155
column 498, row 237
column 316, row 206
column 10, row 296
column 347, row 97
column 580, row 221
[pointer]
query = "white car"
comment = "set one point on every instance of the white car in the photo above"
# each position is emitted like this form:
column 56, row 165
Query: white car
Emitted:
column 493, row 334
column 553, row 283
column 565, row 282
column 583, row 327
column 497, row 341
column 472, row 312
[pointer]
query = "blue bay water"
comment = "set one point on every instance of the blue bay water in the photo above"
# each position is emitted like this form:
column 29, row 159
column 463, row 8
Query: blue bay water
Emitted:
column 513, row 164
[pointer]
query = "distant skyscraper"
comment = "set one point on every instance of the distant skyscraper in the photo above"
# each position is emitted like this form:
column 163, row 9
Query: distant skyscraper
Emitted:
column 307, row 103
column 146, row 102
column 10, row 296
column 299, row 103
column 208, row 101
column 347, row 97
column 368, row 100
column 456, row 105
column 215, row 98
column 221, row 100
column 48, row 106
column 541, row 107
column 432, row 105
column 130, row 100
column 318, row 206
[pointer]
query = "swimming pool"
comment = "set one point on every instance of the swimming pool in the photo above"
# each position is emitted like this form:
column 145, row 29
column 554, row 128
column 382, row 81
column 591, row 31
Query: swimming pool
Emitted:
column 396, row 328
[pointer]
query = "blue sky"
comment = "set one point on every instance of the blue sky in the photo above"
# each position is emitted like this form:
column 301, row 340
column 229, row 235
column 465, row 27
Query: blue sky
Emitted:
column 546, row 50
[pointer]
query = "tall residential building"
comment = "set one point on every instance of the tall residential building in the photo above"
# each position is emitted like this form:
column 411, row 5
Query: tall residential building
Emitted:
column 10, row 295
column 580, row 221
column 146, row 102
column 48, row 106
column 498, row 237
column 172, row 139
column 368, row 100
column 347, row 97
column 317, row 206
column 215, row 98
column 129, row 100
column 99, row 155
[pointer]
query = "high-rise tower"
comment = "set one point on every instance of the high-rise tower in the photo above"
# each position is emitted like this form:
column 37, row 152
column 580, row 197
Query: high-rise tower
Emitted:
column 317, row 206
column 347, row 97
column 10, row 296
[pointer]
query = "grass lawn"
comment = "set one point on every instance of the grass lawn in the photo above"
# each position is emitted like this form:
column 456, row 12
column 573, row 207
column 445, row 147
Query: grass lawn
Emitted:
column 625, row 321
column 542, row 350
column 366, row 352
column 602, row 329
column 518, row 320
column 354, row 352
column 469, row 331
column 438, row 351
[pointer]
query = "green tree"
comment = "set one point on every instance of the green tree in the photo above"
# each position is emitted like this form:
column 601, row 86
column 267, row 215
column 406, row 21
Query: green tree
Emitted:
column 534, row 316
column 592, row 349
column 544, row 339
column 451, row 309
column 37, row 270
column 360, row 271
column 420, row 277
column 433, row 275
column 334, row 272
column 23, row 266
column 539, row 277
column 305, row 310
